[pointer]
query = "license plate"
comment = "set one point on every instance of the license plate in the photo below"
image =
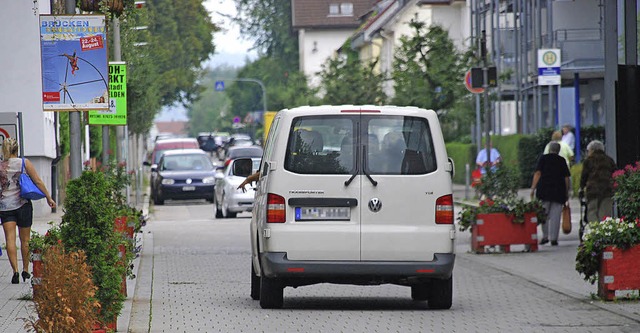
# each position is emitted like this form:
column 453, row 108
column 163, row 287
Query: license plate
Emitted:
column 188, row 188
column 323, row 213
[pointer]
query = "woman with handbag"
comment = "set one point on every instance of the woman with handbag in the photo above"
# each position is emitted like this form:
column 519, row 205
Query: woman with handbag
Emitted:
column 16, row 210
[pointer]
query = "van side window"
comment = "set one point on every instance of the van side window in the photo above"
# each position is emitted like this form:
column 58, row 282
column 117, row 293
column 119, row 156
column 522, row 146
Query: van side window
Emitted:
column 406, row 147
column 321, row 145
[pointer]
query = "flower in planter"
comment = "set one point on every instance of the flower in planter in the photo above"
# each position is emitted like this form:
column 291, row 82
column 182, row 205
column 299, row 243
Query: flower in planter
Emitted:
column 515, row 207
column 616, row 232
column 626, row 182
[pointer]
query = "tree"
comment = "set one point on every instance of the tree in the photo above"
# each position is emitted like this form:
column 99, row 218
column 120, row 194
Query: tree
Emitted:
column 181, row 33
column 347, row 80
column 428, row 72
column 211, row 111
column 269, row 23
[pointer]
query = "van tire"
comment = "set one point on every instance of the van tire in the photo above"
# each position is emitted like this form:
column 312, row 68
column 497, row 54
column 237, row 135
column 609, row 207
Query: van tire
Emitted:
column 441, row 294
column 420, row 292
column 271, row 293
column 255, row 284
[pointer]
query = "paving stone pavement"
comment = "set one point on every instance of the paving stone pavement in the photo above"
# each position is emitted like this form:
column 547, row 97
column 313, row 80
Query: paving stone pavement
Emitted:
column 200, row 283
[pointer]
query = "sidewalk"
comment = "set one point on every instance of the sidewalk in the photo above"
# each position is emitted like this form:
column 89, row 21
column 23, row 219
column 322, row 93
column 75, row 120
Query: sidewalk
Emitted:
column 15, row 299
column 551, row 266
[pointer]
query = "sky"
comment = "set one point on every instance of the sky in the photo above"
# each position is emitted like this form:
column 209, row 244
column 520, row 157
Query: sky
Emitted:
column 231, row 48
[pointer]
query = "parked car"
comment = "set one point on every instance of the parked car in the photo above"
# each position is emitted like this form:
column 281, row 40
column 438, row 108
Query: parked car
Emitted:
column 165, row 145
column 240, row 152
column 183, row 174
column 228, row 200
column 168, row 144
column 334, row 204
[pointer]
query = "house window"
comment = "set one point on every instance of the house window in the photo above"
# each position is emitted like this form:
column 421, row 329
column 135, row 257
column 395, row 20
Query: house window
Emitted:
column 346, row 8
column 342, row 9
column 334, row 9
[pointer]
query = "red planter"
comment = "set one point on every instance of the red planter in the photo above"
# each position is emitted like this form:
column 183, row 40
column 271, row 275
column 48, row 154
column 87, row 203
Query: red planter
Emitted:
column 498, row 229
column 619, row 274
column 38, row 270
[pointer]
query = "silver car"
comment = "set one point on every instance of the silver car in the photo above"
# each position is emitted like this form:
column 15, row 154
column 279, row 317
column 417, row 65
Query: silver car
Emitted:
column 228, row 200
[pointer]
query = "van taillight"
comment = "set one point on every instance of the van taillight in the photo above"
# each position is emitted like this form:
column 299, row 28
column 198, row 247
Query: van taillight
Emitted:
column 275, row 209
column 444, row 210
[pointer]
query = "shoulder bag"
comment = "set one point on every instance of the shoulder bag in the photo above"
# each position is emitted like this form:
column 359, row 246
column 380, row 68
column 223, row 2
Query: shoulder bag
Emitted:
column 29, row 190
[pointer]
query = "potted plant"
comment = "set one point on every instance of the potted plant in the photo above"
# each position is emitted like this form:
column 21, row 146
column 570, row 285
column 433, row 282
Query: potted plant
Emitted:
column 609, row 254
column 609, row 251
column 501, row 219
column 626, row 182
column 66, row 300
column 88, row 225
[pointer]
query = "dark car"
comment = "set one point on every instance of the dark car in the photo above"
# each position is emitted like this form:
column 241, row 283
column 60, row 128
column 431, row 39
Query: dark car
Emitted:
column 243, row 152
column 184, row 174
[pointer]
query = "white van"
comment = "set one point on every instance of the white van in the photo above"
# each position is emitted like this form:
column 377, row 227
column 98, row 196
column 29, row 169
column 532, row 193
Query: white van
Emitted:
column 355, row 195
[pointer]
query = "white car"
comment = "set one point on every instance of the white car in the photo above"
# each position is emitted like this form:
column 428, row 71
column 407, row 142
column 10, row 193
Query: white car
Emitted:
column 228, row 200
column 357, row 195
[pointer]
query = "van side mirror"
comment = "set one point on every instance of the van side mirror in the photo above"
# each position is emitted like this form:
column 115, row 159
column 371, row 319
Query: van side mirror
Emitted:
column 451, row 167
column 242, row 167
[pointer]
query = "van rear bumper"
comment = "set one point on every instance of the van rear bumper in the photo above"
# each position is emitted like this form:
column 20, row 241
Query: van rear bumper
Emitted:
column 276, row 265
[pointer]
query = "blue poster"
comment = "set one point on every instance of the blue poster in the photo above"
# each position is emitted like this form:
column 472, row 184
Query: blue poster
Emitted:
column 74, row 63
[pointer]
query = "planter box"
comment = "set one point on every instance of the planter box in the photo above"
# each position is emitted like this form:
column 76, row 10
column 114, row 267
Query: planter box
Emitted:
column 38, row 270
column 619, row 274
column 498, row 229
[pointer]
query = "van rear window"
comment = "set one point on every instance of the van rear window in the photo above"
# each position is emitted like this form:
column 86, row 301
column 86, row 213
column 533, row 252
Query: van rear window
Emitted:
column 390, row 145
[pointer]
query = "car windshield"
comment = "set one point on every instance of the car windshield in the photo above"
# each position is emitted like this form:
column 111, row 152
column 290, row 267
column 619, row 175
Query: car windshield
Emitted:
column 186, row 162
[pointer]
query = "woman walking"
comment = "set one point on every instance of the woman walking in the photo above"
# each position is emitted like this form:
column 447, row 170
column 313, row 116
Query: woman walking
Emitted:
column 14, row 210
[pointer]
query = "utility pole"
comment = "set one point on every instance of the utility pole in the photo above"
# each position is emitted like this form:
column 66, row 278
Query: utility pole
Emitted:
column 485, row 95
column 75, row 128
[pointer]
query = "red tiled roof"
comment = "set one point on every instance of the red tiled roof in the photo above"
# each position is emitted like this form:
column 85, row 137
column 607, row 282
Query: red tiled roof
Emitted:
column 315, row 13
column 175, row 127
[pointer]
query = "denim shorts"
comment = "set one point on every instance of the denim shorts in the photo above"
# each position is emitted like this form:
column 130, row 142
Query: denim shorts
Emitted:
column 23, row 216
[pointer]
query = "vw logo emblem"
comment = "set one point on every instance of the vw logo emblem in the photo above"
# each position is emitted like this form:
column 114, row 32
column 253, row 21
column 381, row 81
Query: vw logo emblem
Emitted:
column 375, row 205
column 188, row 181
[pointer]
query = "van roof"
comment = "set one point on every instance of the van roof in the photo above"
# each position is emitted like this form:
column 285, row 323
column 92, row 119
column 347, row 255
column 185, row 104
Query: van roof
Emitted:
column 349, row 107
column 184, row 151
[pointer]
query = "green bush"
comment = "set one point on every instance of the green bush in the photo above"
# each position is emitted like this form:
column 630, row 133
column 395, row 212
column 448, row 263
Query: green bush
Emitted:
column 530, row 148
column 461, row 154
column 88, row 225
column 588, row 134
column 576, row 174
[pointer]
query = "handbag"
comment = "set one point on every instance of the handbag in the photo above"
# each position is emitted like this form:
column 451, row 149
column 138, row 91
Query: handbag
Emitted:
column 29, row 190
column 566, row 219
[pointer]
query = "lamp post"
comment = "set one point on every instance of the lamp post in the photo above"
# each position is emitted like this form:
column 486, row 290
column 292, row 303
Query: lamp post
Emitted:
column 264, row 91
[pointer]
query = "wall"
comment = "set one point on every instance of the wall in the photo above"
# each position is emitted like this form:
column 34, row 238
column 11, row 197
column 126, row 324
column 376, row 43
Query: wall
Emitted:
column 21, row 85
column 316, row 47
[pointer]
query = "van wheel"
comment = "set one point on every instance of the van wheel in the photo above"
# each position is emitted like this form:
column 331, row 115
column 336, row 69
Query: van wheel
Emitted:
column 271, row 291
column 255, row 284
column 216, row 210
column 420, row 292
column 441, row 294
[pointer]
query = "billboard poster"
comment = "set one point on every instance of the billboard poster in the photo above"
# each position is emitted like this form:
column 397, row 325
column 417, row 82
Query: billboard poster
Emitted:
column 117, row 112
column 74, row 62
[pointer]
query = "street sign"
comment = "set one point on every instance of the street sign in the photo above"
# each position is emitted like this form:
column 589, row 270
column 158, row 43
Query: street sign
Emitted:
column 7, row 128
column 549, row 67
column 467, row 84
column 117, row 113
column 219, row 85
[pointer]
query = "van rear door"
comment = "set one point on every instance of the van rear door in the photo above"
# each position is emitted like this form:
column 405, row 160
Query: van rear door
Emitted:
column 403, row 179
column 322, row 189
